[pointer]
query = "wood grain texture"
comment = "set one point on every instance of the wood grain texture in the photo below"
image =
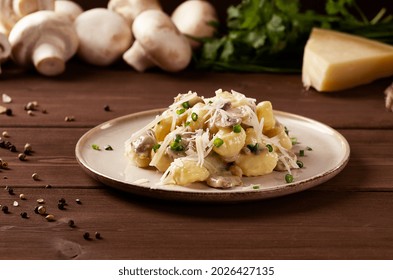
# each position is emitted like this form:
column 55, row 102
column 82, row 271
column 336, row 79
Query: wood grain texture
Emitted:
column 348, row 217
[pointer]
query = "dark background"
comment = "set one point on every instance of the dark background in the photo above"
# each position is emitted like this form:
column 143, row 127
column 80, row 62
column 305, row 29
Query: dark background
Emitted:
column 370, row 7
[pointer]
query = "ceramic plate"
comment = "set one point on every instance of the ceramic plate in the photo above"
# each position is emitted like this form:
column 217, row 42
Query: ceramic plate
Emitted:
column 329, row 155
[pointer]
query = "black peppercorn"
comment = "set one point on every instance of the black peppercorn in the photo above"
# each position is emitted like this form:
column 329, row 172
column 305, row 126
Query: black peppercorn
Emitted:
column 36, row 210
column 23, row 215
column 97, row 235
column 107, row 108
column 8, row 112
column 60, row 205
column 71, row 223
column 86, row 235
column 62, row 200
column 4, row 208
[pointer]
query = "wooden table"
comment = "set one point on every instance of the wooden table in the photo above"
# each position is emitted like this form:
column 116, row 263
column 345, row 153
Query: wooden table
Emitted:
column 348, row 217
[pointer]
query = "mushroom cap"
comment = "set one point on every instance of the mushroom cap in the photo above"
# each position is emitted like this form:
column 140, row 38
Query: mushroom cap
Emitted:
column 68, row 8
column 192, row 18
column 39, row 28
column 162, row 41
column 103, row 36
column 130, row 9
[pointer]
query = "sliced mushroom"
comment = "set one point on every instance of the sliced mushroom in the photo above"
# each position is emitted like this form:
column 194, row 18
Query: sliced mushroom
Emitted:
column 45, row 40
column 193, row 18
column 158, row 43
column 70, row 9
column 144, row 144
column 224, row 182
column 103, row 36
column 5, row 49
column 130, row 9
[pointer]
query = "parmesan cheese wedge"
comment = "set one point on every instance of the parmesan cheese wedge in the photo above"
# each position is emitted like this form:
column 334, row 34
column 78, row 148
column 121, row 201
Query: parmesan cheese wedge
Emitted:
column 335, row 61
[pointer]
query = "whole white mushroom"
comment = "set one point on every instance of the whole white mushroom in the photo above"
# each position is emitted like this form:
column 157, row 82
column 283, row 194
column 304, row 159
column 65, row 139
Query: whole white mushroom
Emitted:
column 103, row 36
column 68, row 8
column 158, row 43
column 45, row 40
column 130, row 9
column 193, row 18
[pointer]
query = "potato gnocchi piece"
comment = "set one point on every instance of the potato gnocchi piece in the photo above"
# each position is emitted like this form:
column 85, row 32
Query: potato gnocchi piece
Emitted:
column 279, row 131
column 257, row 165
column 184, row 172
column 197, row 117
column 232, row 142
column 265, row 110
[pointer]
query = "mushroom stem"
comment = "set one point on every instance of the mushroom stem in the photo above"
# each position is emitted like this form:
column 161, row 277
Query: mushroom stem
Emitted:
column 5, row 49
column 137, row 57
column 49, row 59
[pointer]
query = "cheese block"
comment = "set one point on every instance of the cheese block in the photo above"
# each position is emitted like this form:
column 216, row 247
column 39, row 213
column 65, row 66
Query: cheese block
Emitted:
column 335, row 61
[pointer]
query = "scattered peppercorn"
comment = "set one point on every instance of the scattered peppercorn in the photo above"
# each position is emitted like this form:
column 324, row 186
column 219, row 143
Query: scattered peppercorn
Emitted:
column 23, row 215
column 15, row 204
column 78, row 201
column 71, row 223
column 35, row 176
column 12, row 148
column 5, row 134
column 86, row 236
column 107, row 108
column 4, row 208
column 30, row 113
column 62, row 200
column 97, row 235
column 22, row 196
column 36, row 209
column 8, row 112
column 22, row 156
column 61, row 205
column 48, row 186
column 27, row 149
column 41, row 210
column 10, row 190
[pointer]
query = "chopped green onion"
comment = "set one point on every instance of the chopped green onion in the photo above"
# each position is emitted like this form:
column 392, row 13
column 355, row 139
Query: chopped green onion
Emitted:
column 175, row 146
column 156, row 147
column 301, row 153
column 194, row 116
column 95, row 147
column 187, row 124
column 269, row 147
column 180, row 111
column 218, row 142
column 253, row 148
column 237, row 128
column 186, row 105
column 308, row 148
column 294, row 140
column 299, row 163
column 255, row 187
column 178, row 138
column 288, row 178
column 286, row 130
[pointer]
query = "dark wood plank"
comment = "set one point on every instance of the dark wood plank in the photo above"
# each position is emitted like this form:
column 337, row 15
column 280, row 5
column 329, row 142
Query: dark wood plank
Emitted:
column 308, row 225
column 126, row 91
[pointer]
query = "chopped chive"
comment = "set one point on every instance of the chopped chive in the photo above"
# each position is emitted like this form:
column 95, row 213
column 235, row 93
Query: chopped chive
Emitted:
column 294, row 140
column 237, row 128
column 299, row 163
column 156, row 147
column 308, row 148
column 301, row 153
column 95, row 147
column 269, row 148
column 186, row 105
column 175, row 146
column 180, row 111
column 288, row 178
column 218, row 142
column 194, row 116
column 286, row 130
column 256, row 187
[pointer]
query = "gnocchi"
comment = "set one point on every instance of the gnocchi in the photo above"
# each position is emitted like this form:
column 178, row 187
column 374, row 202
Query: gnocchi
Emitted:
column 216, row 140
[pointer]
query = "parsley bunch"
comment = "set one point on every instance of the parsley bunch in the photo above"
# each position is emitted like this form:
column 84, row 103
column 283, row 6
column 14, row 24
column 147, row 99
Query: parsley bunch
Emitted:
column 270, row 35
